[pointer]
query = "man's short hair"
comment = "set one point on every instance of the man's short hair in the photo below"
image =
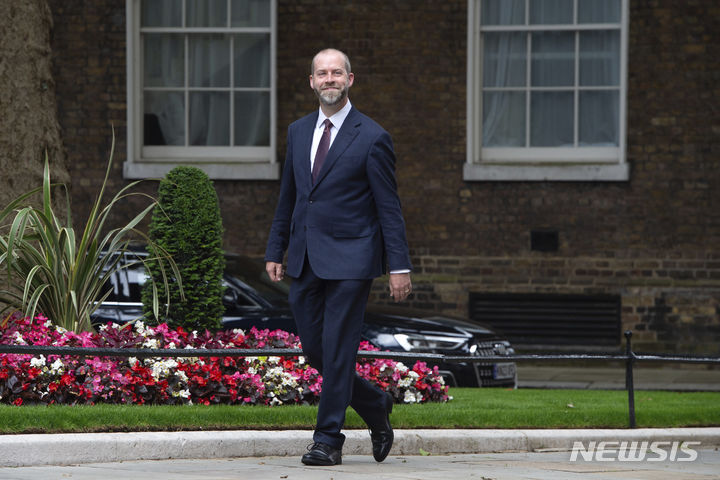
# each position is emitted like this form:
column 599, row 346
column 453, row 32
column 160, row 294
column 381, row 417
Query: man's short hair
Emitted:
column 328, row 50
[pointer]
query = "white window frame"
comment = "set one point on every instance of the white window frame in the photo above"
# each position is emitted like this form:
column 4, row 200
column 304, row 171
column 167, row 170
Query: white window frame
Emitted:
column 539, row 163
column 223, row 163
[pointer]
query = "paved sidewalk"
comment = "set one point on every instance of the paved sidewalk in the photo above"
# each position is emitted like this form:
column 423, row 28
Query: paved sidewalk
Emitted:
column 510, row 466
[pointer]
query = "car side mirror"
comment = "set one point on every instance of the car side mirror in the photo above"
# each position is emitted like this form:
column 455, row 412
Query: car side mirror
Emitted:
column 230, row 297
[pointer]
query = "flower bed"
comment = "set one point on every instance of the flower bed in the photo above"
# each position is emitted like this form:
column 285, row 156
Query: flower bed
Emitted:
column 56, row 379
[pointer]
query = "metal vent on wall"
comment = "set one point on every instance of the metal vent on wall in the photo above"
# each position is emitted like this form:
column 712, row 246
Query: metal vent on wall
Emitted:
column 542, row 320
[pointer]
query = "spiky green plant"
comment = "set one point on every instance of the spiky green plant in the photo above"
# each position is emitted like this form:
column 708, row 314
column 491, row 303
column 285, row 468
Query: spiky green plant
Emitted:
column 48, row 269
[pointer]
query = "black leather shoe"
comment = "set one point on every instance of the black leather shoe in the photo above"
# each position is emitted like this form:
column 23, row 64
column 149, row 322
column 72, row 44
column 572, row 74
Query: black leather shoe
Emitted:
column 381, row 433
column 322, row 454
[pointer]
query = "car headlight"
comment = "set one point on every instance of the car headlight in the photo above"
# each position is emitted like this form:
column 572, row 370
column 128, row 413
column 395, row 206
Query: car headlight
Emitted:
column 386, row 340
column 427, row 343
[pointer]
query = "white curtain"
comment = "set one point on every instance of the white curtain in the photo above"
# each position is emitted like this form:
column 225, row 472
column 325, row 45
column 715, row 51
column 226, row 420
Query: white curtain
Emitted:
column 209, row 110
column 504, row 65
column 164, row 66
column 552, row 64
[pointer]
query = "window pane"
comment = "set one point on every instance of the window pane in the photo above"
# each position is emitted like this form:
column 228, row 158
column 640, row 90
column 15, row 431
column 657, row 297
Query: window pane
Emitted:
column 546, row 12
column 164, row 118
column 551, row 119
column 164, row 60
column 598, row 11
column 553, row 59
column 600, row 58
column 503, row 12
column 599, row 117
column 161, row 13
column 504, row 119
column 209, row 118
column 206, row 13
column 250, row 13
column 209, row 61
column 504, row 59
column 252, row 60
column 252, row 118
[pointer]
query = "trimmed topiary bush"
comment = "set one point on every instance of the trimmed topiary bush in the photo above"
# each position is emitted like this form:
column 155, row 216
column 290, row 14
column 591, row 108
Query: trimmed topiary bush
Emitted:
column 186, row 223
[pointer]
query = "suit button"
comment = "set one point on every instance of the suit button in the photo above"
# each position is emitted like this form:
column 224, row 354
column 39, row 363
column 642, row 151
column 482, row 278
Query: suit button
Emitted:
column 311, row 201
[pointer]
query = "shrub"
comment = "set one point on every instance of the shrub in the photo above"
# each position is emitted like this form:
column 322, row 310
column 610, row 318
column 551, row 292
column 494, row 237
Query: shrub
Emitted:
column 187, row 225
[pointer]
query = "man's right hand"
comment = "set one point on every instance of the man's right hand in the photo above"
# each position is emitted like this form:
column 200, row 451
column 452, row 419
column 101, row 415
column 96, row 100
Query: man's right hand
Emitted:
column 274, row 271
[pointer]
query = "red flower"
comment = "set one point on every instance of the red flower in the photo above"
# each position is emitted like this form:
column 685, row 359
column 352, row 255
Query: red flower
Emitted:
column 18, row 402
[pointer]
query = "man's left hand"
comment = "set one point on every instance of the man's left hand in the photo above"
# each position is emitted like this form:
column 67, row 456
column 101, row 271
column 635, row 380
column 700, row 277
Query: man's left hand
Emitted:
column 400, row 286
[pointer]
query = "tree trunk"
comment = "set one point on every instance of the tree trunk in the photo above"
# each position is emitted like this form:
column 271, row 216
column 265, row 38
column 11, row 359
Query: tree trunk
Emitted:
column 28, row 110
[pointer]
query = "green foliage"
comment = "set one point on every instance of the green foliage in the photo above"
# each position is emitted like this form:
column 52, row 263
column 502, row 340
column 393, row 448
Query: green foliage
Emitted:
column 186, row 223
column 48, row 269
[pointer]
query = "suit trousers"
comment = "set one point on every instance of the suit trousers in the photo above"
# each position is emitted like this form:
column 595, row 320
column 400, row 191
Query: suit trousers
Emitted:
column 329, row 315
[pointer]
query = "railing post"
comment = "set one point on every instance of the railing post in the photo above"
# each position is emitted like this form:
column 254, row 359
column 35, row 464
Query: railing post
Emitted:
column 629, row 378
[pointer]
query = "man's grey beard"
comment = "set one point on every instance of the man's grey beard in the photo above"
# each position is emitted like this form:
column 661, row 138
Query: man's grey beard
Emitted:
column 329, row 99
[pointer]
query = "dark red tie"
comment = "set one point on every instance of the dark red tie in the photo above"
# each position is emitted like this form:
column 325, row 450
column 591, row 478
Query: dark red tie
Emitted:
column 322, row 150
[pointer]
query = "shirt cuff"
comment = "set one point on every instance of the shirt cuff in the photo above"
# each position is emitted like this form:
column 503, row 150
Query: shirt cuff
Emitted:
column 393, row 272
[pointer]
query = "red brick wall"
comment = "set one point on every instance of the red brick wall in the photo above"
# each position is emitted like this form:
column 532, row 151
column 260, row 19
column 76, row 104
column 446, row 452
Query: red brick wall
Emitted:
column 653, row 240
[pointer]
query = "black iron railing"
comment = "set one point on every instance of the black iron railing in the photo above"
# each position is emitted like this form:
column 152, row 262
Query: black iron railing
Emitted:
column 629, row 357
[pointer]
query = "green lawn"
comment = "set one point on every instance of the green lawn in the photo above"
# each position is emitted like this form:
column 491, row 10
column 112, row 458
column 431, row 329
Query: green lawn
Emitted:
column 470, row 408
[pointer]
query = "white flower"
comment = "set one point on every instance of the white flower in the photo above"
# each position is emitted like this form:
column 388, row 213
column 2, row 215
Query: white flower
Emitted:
column 57, row 367
column 288, row 380
column 409, row 397
column 413, row 374
column 182, row 393
column 273, row 359
column 132, row 361
column 301, row 360
column 400, row 367
column 250, row 359
column 171, row 346
column 47, row 324
column 19, row 340
column 252, row 371
column 275, row 371
column 38, row 362
column 405, row 382
column 140, row 327
column 150, row 343
column 182, row 376
column 163, row 368
column 238, row 331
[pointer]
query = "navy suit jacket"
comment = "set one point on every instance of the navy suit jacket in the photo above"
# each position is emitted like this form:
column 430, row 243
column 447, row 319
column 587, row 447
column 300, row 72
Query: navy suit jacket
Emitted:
column 349, row 222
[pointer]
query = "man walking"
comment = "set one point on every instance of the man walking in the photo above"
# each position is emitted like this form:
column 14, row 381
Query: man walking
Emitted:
column 339, row 218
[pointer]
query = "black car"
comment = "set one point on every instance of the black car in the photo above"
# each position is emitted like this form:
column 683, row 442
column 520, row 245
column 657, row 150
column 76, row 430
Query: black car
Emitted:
column 251, row 299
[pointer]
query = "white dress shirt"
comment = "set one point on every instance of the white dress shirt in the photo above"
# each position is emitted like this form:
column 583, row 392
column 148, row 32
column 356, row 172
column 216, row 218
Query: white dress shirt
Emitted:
column 337, row 120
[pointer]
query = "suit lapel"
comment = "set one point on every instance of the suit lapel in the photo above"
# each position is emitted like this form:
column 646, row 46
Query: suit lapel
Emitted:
column 346, row 135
